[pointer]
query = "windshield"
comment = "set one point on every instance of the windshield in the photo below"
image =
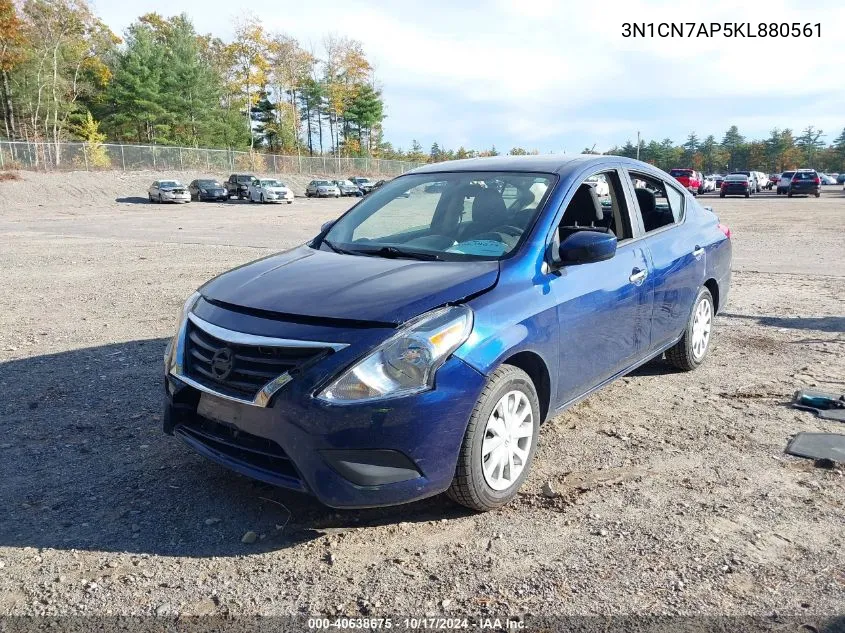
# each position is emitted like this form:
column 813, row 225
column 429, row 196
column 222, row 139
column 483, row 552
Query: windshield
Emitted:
column 680, row 172
column 170, row 183
column 323, row 183
column 271, row 183
column 208, row 183
column 469, row 215
column 245, row 179
column 344, row 183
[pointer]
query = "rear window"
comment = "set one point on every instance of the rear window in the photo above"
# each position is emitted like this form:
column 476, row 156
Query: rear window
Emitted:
column 738, row 177
column 804, row 175
column 680, row 172
column 787, row 174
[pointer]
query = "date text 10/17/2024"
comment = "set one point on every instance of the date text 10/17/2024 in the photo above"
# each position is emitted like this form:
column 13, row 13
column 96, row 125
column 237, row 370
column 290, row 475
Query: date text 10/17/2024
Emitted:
column 770, row 30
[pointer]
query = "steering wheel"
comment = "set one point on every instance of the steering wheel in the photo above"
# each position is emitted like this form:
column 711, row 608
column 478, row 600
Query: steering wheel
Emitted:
column 509, row 229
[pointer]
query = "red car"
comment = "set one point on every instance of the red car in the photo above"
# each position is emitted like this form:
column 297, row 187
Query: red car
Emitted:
column 689, row 178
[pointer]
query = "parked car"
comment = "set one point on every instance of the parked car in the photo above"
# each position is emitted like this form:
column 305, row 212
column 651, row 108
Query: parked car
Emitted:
column 709, row 184
column 719, row 178
column 774, row 179
column 207, row 189
column 238, row 185
column 689, row 178
column 737, row 185
column 168, row 191
column 364, row 184
column 752, row 177
column 840, row 178
column 805, row 181
column 322, row 189
column 269, row 190
column 826, row 179
column 785, row 182
column 348, row 188
column 396, row 356
column 599, row 183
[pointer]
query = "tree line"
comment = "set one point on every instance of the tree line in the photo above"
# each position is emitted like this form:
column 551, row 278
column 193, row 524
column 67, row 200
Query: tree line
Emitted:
column 64, row 75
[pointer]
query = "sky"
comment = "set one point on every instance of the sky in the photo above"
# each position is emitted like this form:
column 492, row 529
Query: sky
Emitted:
column 558, row 76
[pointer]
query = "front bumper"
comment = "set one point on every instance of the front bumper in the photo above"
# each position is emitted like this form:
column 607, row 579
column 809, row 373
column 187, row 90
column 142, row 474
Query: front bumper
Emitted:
column 213, row 195
column 347, row 456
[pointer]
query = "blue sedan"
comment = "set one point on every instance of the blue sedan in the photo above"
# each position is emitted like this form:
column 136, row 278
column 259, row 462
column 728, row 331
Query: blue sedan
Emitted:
column 416, row 345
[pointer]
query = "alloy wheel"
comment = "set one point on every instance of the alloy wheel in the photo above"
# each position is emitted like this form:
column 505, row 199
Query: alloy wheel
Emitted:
column 507, row 440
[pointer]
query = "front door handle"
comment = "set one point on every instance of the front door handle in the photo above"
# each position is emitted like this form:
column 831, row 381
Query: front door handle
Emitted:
column 698, row 252
column 638, row 276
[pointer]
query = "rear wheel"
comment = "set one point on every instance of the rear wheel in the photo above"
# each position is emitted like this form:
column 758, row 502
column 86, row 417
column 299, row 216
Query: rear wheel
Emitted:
column 500, row 441
column 818, row 193
column 789, row 195
column 721, row 195
column 690, row 351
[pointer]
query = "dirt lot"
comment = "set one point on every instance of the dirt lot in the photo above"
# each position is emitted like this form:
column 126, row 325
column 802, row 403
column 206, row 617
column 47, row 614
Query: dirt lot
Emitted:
column 676, row 494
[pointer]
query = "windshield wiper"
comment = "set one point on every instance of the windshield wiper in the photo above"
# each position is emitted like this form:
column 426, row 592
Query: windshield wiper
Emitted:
column 394, row 252
column 337, row 249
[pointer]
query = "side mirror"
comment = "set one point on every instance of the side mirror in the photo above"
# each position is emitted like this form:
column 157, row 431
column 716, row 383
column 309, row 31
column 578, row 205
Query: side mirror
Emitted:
column 584, row 247
column 327, row 225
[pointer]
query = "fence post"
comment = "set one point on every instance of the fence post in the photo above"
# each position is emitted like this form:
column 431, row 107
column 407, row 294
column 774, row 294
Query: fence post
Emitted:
column 275, row 171
column 154, row 156
column 299, row 157
column 122, row 157
column 85, row 156
column 207, row 161
column 2, row 164
column 181, row 164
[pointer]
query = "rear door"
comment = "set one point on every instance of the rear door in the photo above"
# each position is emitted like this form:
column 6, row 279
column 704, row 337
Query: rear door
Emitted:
column 677, row 260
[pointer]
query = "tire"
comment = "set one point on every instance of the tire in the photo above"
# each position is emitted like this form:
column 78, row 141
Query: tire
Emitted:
column 470, row 486
column 159, row 198
column 687, row 354
column 818, row 194
column 789, row 195
column 151, row 197
column 721, row 195
column 747, row 194
column 262, row 199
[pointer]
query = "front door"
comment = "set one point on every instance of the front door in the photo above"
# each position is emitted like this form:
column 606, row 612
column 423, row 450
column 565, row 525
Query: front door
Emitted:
column 603, row 308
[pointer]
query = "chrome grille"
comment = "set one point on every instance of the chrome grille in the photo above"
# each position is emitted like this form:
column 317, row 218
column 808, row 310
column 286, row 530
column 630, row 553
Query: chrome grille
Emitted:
column 251, row 367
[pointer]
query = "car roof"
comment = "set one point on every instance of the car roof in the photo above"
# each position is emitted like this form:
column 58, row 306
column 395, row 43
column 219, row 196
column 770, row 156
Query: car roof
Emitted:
column 562, row 164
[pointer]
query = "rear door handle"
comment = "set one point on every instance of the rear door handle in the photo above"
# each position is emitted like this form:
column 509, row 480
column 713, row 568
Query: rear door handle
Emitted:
column 698, row 252
column 638, row 276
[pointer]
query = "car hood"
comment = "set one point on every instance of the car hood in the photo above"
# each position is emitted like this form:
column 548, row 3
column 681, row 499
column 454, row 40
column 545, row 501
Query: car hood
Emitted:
column 320, row 284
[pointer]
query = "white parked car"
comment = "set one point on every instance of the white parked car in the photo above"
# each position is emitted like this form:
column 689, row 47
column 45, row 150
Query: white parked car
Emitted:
column 322, row 189
column 599, row 183
column 168, row 191
column 785, row 182
column 827, row 179
column 708, row 184
column 269, row 190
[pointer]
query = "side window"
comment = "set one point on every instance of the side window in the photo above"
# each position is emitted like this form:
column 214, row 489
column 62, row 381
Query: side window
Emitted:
column 598, row 203
column 660, row 204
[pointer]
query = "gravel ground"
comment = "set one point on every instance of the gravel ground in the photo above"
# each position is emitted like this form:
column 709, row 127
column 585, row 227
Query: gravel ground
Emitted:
column 673, row 491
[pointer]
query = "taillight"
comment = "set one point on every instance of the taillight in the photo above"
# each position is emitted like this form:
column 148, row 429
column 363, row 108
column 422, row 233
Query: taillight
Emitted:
column 818, row 181
column 724, row 229
column 796, row 180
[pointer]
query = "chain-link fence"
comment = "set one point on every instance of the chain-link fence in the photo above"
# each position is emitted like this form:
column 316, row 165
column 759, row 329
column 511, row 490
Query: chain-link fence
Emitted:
column 105, row 156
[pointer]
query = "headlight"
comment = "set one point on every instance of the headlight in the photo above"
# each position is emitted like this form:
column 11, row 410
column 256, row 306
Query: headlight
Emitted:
column 203, row 190
column 183, row 314
column 406, row 363
column 186, row 309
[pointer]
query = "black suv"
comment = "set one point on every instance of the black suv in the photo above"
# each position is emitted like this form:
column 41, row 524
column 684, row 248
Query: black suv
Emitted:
column 238, row 185
column 805, row 181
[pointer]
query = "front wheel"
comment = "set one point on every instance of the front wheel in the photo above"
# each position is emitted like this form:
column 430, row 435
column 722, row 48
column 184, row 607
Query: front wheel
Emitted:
column 500, row 441
column 789, row 195
column 721, row 195
column 689, row 352
column 818, row 194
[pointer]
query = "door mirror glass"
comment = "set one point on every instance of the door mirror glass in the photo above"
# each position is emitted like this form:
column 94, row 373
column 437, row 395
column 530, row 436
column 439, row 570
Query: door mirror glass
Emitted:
column 584, row 247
